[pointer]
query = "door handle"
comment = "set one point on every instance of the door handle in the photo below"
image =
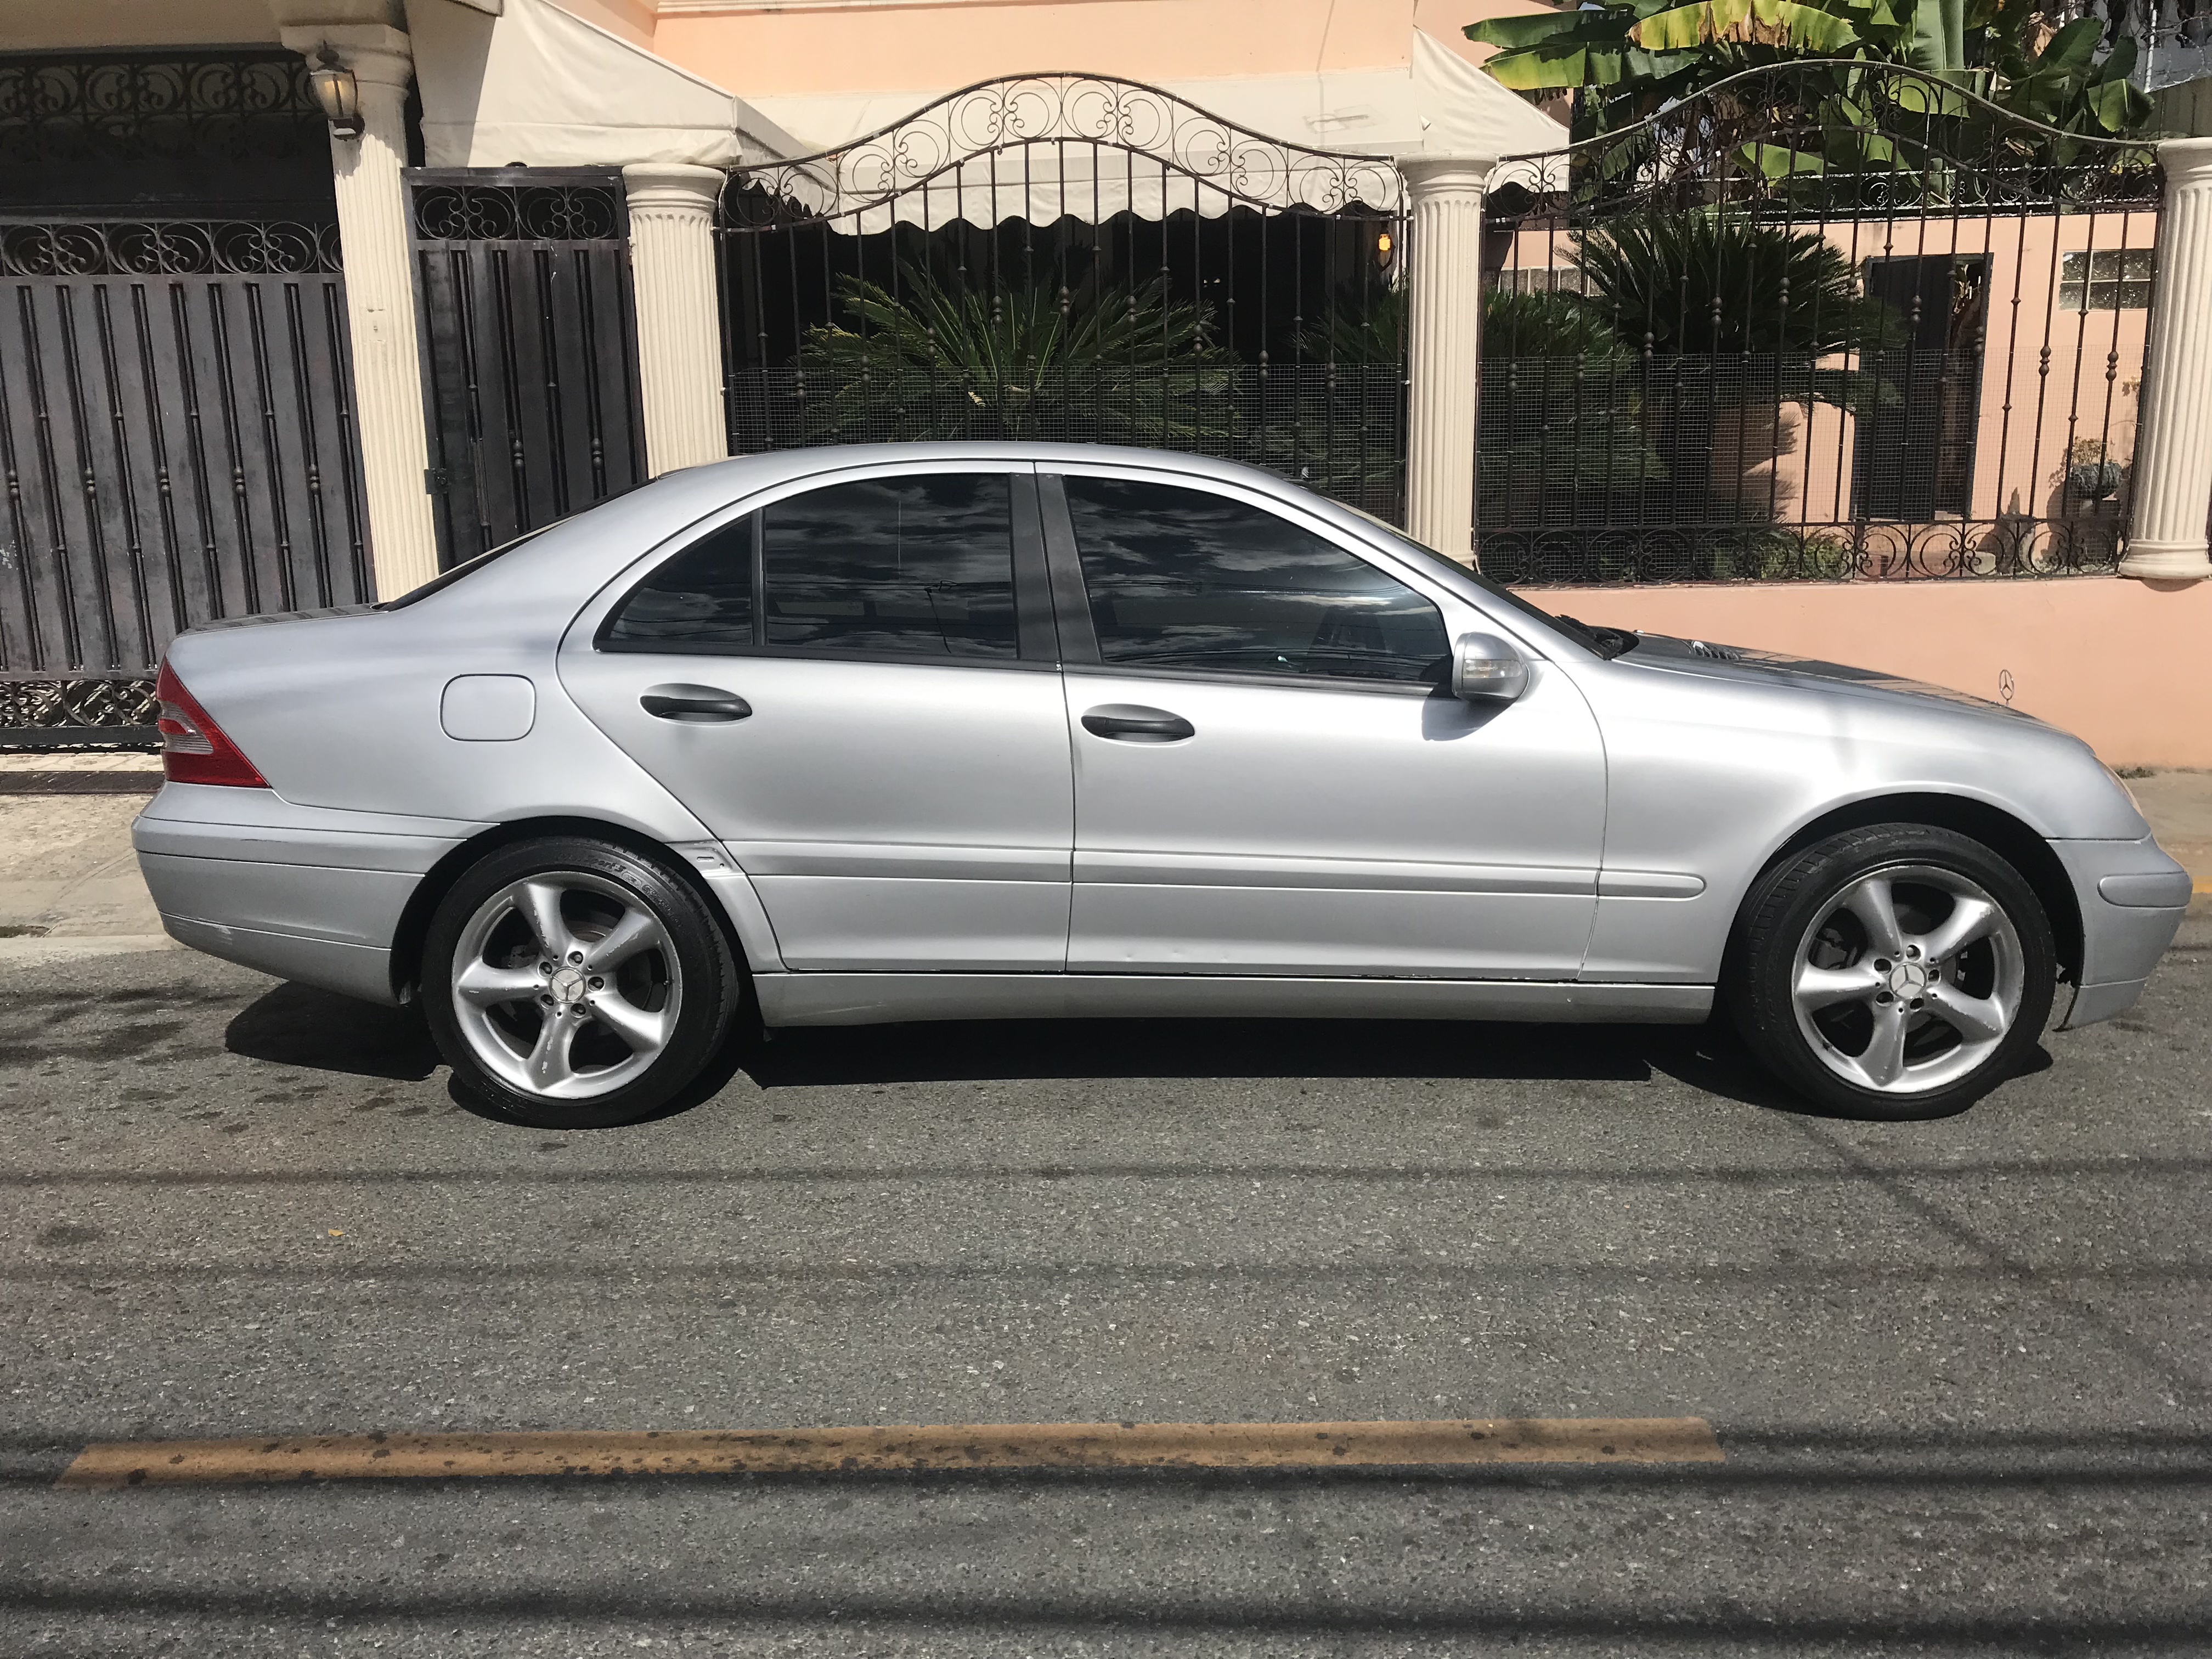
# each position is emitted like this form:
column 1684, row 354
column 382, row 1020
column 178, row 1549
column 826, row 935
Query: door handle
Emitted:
column 1132, row 722
column 695, row 705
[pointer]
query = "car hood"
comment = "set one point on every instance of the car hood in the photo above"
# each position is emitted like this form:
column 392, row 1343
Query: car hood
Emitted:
column 1745, row 664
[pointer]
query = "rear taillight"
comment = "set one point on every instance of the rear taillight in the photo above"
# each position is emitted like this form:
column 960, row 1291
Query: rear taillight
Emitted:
column 193, row 747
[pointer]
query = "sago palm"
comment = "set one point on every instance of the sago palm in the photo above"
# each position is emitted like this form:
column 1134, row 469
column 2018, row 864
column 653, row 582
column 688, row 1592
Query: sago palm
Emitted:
column 1112, row 362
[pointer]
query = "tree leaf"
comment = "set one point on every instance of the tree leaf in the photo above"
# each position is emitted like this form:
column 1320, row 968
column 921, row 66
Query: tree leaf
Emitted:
column 1514, row 33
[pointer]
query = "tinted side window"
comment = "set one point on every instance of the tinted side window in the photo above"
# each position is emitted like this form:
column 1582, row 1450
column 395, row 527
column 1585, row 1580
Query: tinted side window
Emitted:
column 1182, row 578
column 700, row 600
column 920, row 565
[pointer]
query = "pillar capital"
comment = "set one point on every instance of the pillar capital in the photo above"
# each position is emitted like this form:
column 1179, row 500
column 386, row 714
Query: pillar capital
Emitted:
column 2185, row 160
column 1433, row 177
column 673, row 187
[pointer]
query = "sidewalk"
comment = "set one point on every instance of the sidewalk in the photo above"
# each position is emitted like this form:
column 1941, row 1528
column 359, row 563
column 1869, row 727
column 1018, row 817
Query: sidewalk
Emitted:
column 69, row 884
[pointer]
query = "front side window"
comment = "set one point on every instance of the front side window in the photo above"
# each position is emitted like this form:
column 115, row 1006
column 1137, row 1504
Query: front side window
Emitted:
column 921, row 565
column 1184, row 579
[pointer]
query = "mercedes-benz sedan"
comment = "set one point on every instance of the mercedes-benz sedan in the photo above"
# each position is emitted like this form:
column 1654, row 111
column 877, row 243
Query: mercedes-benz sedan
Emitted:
column 936, row 731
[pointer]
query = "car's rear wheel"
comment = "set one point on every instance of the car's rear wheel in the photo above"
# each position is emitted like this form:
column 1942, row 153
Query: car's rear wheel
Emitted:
column 1897, row 971
column 573, row 984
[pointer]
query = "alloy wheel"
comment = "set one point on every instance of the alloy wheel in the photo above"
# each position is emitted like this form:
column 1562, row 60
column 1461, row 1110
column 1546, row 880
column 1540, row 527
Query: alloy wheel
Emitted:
column 1908, row 979
column 566, row 985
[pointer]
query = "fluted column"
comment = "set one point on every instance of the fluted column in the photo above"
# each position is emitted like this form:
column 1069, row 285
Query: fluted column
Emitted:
column 679, row 319
column 2173, row 437
column 1445, row 356
column 380, row 289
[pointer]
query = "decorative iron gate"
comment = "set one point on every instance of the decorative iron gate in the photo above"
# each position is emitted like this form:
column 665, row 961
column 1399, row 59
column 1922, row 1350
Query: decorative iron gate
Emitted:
column 175, row 406
column 1074, row 257
column 1819, row 321
column 529, row 350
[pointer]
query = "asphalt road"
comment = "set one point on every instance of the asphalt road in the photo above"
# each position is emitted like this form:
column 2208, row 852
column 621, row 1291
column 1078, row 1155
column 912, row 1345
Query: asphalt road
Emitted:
column 1962, row 1371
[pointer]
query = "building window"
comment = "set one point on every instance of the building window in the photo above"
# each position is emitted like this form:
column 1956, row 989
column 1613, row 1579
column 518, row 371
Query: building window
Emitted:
column 2111, row 279
column 1538, row 279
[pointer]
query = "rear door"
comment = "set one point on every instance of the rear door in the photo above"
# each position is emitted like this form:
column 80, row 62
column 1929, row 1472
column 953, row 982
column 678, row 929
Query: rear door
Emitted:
column 855, row 686
column 1271, row 776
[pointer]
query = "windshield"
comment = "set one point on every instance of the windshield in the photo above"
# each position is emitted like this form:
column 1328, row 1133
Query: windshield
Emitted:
column 1608, row 642
column 467, row 568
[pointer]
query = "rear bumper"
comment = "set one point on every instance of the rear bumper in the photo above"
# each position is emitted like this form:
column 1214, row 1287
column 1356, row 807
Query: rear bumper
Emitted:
column 2132, row 897
column 304, row 893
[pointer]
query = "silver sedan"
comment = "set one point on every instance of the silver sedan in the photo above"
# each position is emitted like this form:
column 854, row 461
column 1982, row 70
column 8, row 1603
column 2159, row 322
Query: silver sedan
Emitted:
column 934, row 732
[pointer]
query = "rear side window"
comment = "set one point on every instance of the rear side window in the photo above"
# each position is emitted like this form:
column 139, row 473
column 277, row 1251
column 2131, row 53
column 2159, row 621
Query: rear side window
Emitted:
column 1186, row 579
column 700, row 600
column 921, row 565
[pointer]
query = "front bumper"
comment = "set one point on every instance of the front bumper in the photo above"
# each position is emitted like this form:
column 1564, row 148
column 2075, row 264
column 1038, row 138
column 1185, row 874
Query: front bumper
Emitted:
column 304, row 893
column 2132, row 897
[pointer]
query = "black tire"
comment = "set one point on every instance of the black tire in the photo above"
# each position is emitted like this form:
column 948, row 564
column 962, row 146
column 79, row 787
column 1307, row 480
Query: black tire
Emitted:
column 698, row 981
column 1810, row 1050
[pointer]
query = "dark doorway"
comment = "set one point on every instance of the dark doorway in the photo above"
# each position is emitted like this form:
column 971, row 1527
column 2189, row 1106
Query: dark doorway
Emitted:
column 1913, row 457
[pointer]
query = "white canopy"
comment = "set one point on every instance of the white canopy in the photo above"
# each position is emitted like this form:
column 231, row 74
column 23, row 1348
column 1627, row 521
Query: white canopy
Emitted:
column 536, row 85
column 1051, row 145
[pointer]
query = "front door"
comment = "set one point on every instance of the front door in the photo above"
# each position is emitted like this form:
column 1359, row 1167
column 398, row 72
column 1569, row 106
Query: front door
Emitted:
column 1270, row 777
column 855, row 688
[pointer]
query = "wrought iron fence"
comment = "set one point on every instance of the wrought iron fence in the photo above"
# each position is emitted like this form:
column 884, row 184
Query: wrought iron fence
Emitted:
column 1820, row 321
column 1069, row 257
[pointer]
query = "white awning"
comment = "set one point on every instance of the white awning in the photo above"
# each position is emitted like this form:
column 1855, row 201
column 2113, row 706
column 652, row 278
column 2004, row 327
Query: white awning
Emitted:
column 1026, row 149
column 537, row 86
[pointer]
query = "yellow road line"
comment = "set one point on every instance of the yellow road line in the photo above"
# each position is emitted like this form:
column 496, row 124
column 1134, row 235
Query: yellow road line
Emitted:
column 107, row 1465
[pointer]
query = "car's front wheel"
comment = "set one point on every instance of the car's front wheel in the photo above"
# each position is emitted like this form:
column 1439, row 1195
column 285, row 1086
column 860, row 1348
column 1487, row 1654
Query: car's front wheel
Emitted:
column 1897, row 971
column 573, row 984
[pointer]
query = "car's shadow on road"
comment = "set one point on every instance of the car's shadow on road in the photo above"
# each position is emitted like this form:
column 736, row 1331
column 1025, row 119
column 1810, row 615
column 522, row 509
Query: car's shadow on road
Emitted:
column 1705, row 1057
column 299, row 1025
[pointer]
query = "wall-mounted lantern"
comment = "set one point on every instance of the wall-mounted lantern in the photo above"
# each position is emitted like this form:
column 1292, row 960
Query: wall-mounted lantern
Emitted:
column 336, row 93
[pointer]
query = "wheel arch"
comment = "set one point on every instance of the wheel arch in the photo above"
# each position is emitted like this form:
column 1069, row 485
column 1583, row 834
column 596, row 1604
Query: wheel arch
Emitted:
column 1997, row 829
column 414, row 928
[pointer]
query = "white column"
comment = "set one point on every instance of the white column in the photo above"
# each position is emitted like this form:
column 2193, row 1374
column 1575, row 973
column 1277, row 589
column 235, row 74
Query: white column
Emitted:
column 379, row 288
column 2174, row 436
column 679, row 316
column 1444, row 356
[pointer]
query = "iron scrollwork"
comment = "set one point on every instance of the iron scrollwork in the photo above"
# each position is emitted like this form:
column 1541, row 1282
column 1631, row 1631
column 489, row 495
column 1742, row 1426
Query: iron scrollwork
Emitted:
column 505, row 212
column 169, row 247
column 1058, row 114
column 139, row 106
column 95, row 704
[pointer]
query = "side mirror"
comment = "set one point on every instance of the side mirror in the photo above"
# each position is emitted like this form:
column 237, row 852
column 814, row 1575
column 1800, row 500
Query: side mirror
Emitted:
column 1486, row 669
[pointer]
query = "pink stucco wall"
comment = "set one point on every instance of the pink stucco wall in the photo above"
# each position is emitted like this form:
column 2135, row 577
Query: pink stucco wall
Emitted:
column 758, row 48
column 2125, row 665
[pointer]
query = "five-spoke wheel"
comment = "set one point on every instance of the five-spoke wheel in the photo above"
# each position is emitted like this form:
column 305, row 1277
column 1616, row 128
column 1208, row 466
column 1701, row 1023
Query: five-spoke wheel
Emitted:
column 566, row 985
column 576, row 983
column 1896, row 971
